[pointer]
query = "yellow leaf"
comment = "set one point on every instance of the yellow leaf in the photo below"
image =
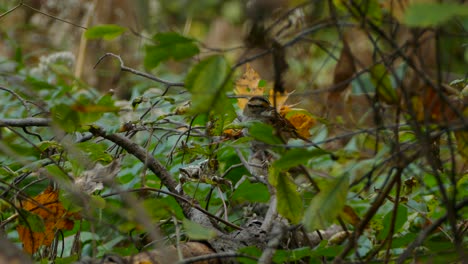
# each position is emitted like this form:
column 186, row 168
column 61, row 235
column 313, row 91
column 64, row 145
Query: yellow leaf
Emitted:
column 247, row 85
column 279, row 100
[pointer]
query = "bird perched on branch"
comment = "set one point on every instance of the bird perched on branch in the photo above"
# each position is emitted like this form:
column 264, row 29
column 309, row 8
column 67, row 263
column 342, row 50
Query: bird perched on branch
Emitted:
column 258, row 108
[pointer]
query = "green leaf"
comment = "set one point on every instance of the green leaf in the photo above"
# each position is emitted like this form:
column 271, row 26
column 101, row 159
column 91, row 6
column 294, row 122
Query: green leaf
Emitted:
column 252, row 251
column 169, row 45
column 197, row 231
column 206, row 82
column 289, row 201
column 97, row 202
column 251, row 192
column 57, row 173
column 39, row 84
column 400, row 220
column 371, row 9
column 65, row 118
column 432, row 14
column 327, row 204
column 31, row 220
column 105, row 31
column 162, row 208
column 287, row 256
column 324, row 250
column 263, row 132
column 403, row 241
column 96, row 152
column 66, row 260
column 295, row 157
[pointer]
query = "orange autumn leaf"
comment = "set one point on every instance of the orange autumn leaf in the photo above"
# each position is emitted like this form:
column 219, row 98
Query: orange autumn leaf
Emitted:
column 47, row 208
column 279, row 99
column 301, row 119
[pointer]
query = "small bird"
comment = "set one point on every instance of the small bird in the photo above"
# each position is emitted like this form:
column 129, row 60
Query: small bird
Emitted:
column 258, row 108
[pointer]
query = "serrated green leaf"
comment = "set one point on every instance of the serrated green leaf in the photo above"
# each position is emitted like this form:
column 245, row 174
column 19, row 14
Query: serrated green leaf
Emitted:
column 289, row 201
column 327, row 204
column 432, row 14
column 197, row 231
column 206, row 82
column 400, row 220
column 169, row 46
column 295, row 157
column 105, row 31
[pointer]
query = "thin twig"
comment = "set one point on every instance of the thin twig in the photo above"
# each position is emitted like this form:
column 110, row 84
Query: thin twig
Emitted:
column 179, row 198
column 139, row 73
column 23, row 101
column 54, row 17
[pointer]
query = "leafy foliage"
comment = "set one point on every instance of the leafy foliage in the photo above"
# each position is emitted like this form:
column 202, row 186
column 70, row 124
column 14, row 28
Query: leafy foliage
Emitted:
column 167, row 162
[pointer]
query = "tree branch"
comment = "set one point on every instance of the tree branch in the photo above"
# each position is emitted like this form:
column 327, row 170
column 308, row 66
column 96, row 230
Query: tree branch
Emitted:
column 25, row 122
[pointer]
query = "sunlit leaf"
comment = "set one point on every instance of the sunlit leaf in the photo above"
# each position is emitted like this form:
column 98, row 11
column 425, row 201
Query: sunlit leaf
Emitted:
column 327, row 204
column 107, row 32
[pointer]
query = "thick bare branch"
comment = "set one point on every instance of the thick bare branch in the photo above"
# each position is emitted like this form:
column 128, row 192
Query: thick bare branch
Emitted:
column 154, row 165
